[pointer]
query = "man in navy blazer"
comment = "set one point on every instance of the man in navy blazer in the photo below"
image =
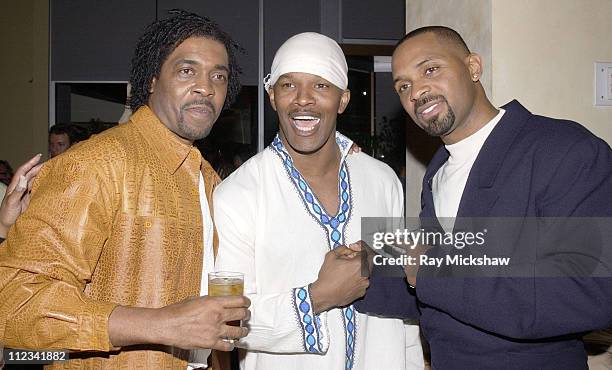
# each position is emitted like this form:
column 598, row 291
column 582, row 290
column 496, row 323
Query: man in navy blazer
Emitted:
column 496, row 163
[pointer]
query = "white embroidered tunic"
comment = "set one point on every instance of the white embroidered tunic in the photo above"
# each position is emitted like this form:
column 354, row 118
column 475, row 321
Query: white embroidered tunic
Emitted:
column 273, row 229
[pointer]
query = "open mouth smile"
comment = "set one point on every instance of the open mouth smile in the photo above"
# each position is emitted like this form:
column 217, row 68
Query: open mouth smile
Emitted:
column 305, row 123
column 429, row 110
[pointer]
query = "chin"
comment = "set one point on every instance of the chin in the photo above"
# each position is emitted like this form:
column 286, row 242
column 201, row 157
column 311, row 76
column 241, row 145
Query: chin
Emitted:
column 196, row 132
column 301, row 147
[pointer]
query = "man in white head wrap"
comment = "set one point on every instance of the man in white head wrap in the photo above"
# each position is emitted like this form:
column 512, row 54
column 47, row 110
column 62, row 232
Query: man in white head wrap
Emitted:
column 284, row 219
column 313, row 53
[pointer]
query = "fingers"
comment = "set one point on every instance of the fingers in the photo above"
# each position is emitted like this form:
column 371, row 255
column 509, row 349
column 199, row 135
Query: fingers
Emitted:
column 354, row 149
column 233, row 314
column 237, row 301
column 234, row 332
column 27, row 166
column 18, row 197
column 361, row 246
column 366, row 283
column 25, row 170
column 25, row 202
column 13, row 198
column 31, row 175
column 346, row 253
column 18, row 183
column 356, row 246
column 363, row 284
column 223, row 345
column 343, row 251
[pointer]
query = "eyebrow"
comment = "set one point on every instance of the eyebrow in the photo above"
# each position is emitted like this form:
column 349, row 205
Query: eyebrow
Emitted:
column 285, row 75
column 423, row 62
column 193, row 62
column 186, row 61
column 428, row 59
column 223, row 67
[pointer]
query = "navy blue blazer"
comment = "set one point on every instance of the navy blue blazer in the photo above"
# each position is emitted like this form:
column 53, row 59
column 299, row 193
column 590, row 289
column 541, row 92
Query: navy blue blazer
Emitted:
column 529, row 166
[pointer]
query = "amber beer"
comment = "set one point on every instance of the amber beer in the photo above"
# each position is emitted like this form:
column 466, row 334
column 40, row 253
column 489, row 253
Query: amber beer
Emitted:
column 226, row 283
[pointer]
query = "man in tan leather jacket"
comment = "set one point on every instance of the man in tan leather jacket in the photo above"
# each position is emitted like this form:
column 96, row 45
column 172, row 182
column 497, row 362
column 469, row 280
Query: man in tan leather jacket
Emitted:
column 106, row 261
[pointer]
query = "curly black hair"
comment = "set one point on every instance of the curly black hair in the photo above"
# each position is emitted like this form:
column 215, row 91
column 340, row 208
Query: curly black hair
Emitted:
column 159, row 41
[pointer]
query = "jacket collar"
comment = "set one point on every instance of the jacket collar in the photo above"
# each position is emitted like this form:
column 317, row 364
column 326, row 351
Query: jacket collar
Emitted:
column 486, row 167
column 499, row 142
column 169, row 149
column 480, row 194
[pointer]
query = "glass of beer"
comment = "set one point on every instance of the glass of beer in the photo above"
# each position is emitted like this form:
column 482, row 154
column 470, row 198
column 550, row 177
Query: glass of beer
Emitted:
column 226, row 283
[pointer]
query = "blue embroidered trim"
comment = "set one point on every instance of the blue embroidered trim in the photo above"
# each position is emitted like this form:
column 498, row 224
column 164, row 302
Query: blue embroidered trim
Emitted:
column 351, row 335
column 332, row 224
column 335, row 231
column 310, row 322
column 349, row 313
column 342, row 142
column 298, row 192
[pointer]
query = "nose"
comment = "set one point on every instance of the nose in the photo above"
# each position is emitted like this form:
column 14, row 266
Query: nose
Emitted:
column 304, row 96
column 419, row 89
column 204, row 86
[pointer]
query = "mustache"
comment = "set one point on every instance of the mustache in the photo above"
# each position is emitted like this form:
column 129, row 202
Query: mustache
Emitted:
column 204, row 102
column 426, row 99
column 304, row 112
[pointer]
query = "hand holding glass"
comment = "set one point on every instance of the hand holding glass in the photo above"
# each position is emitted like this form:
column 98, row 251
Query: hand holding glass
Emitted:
column 226, row 283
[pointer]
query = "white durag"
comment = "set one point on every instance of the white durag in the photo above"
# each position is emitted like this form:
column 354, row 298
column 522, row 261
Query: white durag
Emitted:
column 313, row 53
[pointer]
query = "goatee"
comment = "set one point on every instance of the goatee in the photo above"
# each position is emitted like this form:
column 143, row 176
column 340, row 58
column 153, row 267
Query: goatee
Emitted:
column 439, row 125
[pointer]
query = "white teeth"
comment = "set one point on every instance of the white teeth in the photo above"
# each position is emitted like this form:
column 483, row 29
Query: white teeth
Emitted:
column 430, row 108
column 308, row 118
column 305, row 123
column 305, row 129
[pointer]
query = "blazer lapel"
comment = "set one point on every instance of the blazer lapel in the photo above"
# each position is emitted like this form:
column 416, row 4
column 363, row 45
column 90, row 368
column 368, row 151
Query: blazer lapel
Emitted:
column 480, row 194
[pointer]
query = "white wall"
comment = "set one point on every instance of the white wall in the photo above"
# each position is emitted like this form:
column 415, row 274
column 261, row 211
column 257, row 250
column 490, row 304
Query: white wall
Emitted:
column 543, row 55
column 472, row 19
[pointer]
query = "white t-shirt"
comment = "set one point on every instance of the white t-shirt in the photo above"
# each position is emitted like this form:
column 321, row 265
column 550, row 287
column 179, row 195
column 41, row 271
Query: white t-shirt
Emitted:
column 198, row 358
column 449, row 182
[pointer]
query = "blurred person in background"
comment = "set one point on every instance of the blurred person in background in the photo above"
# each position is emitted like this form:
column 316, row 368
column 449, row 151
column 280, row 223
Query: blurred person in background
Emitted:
column 61, row 137
column 6, row 172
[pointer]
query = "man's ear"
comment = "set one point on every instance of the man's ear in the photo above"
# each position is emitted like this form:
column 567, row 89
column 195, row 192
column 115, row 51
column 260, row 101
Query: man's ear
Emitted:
column 474, row 64
column 152, row 87
column 344, row 100
column 271, row 94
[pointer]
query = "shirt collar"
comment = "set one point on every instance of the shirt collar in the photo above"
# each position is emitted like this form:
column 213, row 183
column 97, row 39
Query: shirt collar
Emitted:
column 470, row 146
column 343, row 142
column 167, row 146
